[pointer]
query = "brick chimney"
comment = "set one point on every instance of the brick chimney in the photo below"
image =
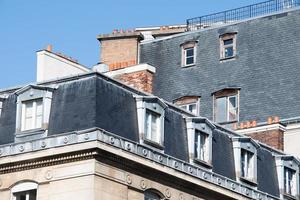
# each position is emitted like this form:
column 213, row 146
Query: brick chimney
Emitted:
column 270, row 133
column 137, row 76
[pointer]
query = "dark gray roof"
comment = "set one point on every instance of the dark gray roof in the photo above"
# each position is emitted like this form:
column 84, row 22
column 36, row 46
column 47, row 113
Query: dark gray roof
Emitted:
column 266, row 68
column 96, row 101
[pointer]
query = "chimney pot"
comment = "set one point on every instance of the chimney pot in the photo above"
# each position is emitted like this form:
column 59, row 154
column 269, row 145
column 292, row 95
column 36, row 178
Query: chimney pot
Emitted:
column 49, row 47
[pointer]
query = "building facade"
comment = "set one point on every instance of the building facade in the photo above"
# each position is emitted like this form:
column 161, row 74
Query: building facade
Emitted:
column 91, row 137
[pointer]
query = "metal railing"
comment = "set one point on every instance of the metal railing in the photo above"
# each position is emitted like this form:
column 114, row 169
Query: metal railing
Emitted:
column 241, row 13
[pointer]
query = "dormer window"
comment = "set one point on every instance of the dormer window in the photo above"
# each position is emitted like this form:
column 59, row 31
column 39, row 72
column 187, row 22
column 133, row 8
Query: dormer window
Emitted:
column 151, row 115
column 199, row 132
column 227, row 46
column 189, row 103
column 288, row 176
column 245, row 159
column 226, row 106
column 188, row 51
column 32, row 114
column 33, row 110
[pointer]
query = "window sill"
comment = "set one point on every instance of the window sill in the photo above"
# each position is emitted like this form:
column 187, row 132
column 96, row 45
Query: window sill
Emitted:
column 248, row 181
column 228, row 58
column 289, row 196
column 203, row 163
column 153, row 144
column 30, row 132
column 187, row 66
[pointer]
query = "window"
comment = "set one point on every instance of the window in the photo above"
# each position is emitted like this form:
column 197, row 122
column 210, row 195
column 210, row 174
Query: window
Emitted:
column 246, row 164
column 152, row 126
column 32, row 114
column 151, row 195
column 189, row 103
column 289, row 181
column 188, row 53
column 199, row 132
column 26, row 195
column 151, row 116
column 24, row 191
column 288, row 176
column 226, row 106
column 245, row 159
column 1, row 104
column 228, row 46
column 201, row 146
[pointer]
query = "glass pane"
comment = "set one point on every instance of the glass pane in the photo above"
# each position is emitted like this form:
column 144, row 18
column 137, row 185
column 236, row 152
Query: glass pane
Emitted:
column 148, row 126
column 154, row 128
column 288, row 181
column 197, row 145
column 232, row 109
column 189, row 52
column 28, row 109
column 39, row 107
column 151, row 196
column 203, row 149
column 243, row 163
column 221, row 115
column 28, row 123
column 228, row 52
column 193, row 108
column 26, row 195
column 228, row 42
column 189, row 60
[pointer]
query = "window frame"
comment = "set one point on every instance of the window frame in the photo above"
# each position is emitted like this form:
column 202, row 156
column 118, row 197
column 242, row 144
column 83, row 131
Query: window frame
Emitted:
column 199, row 125
column 154, row 105
column 226, row 93
column 187, row 46
column 248, row 145
column 34, row 114
column 24, row 187
column 187, row 101
column 222, row 39
column 290, row 163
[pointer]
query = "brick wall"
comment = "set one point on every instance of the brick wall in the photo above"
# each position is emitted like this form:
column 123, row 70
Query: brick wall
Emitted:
column 273, row 138
column 119, row 51
column 141, row 80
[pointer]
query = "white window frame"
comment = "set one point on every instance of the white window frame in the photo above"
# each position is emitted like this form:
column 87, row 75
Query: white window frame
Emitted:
column 291, row 163
column 33, row 94
column 245, row 144
column 202, row 126
column 153, row 105
column 24, row 187
column 186, row 46
column 186, row 101
column 34, row 124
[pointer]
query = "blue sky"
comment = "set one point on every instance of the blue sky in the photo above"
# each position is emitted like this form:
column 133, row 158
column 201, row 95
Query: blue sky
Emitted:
column 71, row 26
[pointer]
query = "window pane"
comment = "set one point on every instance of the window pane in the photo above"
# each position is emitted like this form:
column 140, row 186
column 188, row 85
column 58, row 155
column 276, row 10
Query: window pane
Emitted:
column 28, row 109
column 26, row 195
column 39, row 114
column 197, row 145
column 189, row 52
column 228, row 52
column 243, row 163
column 151, row 196
column 221, row 115
column 232, row 115
column 203, row 149
column 192, row 108
column 289, row 185
column 189, row 60
column 228, row 42
column 200, row 145
column 152, row 126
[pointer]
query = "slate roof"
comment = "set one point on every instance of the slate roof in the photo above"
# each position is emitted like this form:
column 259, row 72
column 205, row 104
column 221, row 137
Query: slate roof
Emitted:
column 94, row 100
column 266, row 68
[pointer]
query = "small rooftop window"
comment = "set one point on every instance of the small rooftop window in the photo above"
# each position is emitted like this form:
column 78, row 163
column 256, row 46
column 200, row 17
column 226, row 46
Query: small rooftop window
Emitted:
column 188, row 53
column 228, row 46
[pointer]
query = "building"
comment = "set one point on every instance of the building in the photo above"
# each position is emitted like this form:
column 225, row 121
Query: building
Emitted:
column 91, row 137
column 238, row 68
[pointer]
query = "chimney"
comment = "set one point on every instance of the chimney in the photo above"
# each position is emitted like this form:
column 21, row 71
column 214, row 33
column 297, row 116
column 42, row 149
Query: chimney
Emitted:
column 137, row 76
column 49, row 47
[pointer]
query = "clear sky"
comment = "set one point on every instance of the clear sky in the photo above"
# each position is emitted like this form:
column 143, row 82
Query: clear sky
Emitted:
column 71, row 26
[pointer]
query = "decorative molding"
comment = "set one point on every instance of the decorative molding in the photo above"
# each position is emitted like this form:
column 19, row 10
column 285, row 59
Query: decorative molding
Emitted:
column 136, row 149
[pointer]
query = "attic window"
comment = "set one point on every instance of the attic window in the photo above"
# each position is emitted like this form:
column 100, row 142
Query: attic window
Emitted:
column 188, row 53
column 189, row 103
column 199, row 132
column 33, row 110
column 226, row 106
column 228, row 46
column 151, row 116
column 288, row 176
column 245, row 159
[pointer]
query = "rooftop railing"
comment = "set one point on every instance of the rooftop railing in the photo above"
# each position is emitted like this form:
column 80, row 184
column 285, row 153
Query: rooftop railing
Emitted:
column 241, row 13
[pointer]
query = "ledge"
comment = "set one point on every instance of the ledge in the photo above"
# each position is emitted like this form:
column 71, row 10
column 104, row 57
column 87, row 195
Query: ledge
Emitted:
column 203, row 163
